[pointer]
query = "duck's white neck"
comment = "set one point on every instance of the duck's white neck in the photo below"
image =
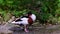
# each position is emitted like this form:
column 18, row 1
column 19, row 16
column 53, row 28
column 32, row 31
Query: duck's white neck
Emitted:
column 33, row 16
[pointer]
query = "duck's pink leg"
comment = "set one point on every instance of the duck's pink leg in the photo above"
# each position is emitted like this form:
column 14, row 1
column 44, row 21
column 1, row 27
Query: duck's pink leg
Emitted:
column 25, row 28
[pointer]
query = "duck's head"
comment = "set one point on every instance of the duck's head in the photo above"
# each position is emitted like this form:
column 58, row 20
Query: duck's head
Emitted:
column 32, row 16
column 29, row 13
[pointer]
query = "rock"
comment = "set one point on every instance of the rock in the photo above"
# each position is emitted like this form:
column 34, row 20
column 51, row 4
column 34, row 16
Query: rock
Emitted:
column 4, row 29
column 6, row 32
column 12, row 18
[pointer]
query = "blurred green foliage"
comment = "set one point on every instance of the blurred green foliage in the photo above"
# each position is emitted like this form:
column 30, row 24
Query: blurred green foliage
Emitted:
column 42, row 8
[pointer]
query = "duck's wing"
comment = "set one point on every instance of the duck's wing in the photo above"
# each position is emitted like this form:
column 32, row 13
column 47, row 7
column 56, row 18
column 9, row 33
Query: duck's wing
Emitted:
column 18, row 20
column 22, row 18
column 24, row 21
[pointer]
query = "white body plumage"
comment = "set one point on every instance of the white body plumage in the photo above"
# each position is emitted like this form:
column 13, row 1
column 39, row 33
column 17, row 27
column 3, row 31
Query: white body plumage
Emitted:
column 25, row 20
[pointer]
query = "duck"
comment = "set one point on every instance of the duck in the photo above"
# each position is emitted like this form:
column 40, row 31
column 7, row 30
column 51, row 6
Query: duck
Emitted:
column 26, row 20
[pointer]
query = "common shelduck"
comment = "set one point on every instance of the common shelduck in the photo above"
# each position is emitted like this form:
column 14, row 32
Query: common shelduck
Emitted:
column 26, row 20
